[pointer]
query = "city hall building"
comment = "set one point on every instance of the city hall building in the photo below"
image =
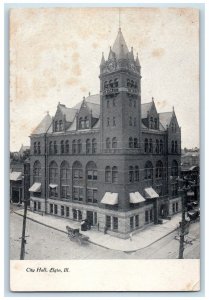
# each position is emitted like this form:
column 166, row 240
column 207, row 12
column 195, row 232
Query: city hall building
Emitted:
column 110, row 159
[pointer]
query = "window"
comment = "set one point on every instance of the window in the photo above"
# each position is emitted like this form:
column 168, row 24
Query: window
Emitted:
column 60, row 125
column 107, row 174
column 78, row 193
column 37, row 171
column 35, row 148
column 150, row 146
column 146, row 146
column 157, row 146
column 34, row 206
column 172, row 147
column 130, row 121
column 111, row 84
column 155, row 121
column 135, row 121
column 77, row 170
column 146, row 216
column 39, row 205
column 86, row 122
column 55, row 147
column 51, row 208
column 135, row 143
column 94, row 146
column 174, row 168
column 79, row 146
column 108, row 122
column 131, row 222
column 177, row 207
column 74, row 214
column 108, row 143
column 159, row 169
column 56, row 126
column 137, row 221
column 131, row 174
column 173, row 206
column 161, row 146
column 130, row 142
column 62, row 210
column 53, row 173
column 67, row 211
column 113, row 122
column 151, row 122
column 136, row 173
column 50, row 148
column 62, row 147
column 108, row 221
column 39, row 148
column 172, row 127
column 91, row 195
column 176, row 147
column 65, row 180
column 74, row 147
column 91, row 170
column 67, row 146
column 114, row 174
column 115, row 223
column 148, row 170
column 88, row 146
column 114, row 142
column 115, row 82
column 79, row 215
column 55, row 209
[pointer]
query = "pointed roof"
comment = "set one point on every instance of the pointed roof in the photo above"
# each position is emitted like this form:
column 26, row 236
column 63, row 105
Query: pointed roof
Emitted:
column 44, row 126
column 137, row 60
column 165, row 118
column 93, row 104
column 145, row 107
column 68, row 112
column 102, row 60
column 117, row 46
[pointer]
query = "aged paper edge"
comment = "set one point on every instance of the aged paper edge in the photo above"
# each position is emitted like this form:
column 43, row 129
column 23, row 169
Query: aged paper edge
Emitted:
column 105, row 275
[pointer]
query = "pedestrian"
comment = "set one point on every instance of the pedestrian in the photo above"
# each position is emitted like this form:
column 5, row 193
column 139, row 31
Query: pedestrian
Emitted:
column 130, row 236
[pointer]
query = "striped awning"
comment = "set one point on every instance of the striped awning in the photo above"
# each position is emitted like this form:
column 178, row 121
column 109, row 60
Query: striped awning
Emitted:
column 136, row 198
column 110, row 198
column 36, row 187
column 151, row 193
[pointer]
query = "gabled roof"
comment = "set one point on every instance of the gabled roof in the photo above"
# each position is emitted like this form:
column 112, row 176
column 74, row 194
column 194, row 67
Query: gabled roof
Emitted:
column 44, row 126
column 120, row 44
column 93, row 104
column 68, row 112
column 165, row 118
column 145, row 107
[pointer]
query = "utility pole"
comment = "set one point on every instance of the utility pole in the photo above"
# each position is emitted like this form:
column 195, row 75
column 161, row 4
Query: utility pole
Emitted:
column 23, row 240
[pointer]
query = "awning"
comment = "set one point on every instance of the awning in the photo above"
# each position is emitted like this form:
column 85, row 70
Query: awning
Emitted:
column 150, row 193
column 36, row 187
column 136, row 198
column 53, row 186
column 15, row 176
column 110, row 198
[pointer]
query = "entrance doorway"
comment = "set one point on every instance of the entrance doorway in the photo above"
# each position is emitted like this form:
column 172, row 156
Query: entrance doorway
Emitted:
column 163, row 211
column 16, row 196
column 90, row 217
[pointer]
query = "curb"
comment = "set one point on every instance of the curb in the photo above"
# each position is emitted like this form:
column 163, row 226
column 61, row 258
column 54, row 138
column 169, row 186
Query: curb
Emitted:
column 125, row 251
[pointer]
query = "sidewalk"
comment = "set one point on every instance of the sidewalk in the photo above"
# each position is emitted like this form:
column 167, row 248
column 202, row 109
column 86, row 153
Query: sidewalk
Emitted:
column 141, row 239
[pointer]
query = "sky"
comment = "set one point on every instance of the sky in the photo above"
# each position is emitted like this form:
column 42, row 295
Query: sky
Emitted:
column 55, row 55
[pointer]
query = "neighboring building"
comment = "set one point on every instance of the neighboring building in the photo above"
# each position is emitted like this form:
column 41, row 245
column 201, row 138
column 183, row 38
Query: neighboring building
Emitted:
column 20, row 175
column 110, row 158
column 190, row 159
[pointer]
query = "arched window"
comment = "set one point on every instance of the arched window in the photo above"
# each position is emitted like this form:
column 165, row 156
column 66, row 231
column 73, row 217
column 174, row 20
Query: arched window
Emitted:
column 136, row 143
column 136, row 173
column 39, row 148
column 108, row 143
column 37, row 171
column 114, row 174
column 65, row 180
column 60, row 125
column 53, row 173
column 150, row 146
column 128, row 82
column 94, row 146
column 114, row 142
column 91, row 171
column 159, row 169
column 130, row 142
column 148, row 170
column 55, row 126
column 131, row 174
column 74, row 150
column 55, row 147
column 146, row 146
column 86, row 122
column 157, row 146
column 172, row 147
column 62, row 147
column 176, row 147
column 67, row 146
column 77, row 170
column 88, row 146
column 116, row 83
column 174, row 168
column 35, row 148
column 130, row 121
column 79, row 146
column 161, row 146
column 81, row 123
column 107, row 174
column 50, row 147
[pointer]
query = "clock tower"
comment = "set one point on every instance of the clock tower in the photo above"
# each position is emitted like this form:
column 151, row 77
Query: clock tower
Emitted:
column 120, row 97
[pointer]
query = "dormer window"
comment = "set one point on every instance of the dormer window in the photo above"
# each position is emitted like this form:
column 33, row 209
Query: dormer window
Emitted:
column 56, row 126
column 86, row 121
column 151, row 122
column 155, row 121
column 60, row 125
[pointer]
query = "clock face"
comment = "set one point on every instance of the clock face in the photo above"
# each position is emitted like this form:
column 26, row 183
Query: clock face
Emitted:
column 111, row 66
column 133, row 67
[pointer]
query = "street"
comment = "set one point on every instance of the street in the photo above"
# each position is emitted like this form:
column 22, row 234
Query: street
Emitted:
column 47, row 243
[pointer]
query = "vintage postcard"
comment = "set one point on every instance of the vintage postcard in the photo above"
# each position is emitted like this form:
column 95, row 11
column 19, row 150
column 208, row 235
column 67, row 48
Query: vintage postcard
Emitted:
column 104, row 149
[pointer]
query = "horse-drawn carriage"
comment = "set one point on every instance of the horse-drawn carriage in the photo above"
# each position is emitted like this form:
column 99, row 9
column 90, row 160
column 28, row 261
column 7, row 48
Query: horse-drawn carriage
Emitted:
column 75, row 235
